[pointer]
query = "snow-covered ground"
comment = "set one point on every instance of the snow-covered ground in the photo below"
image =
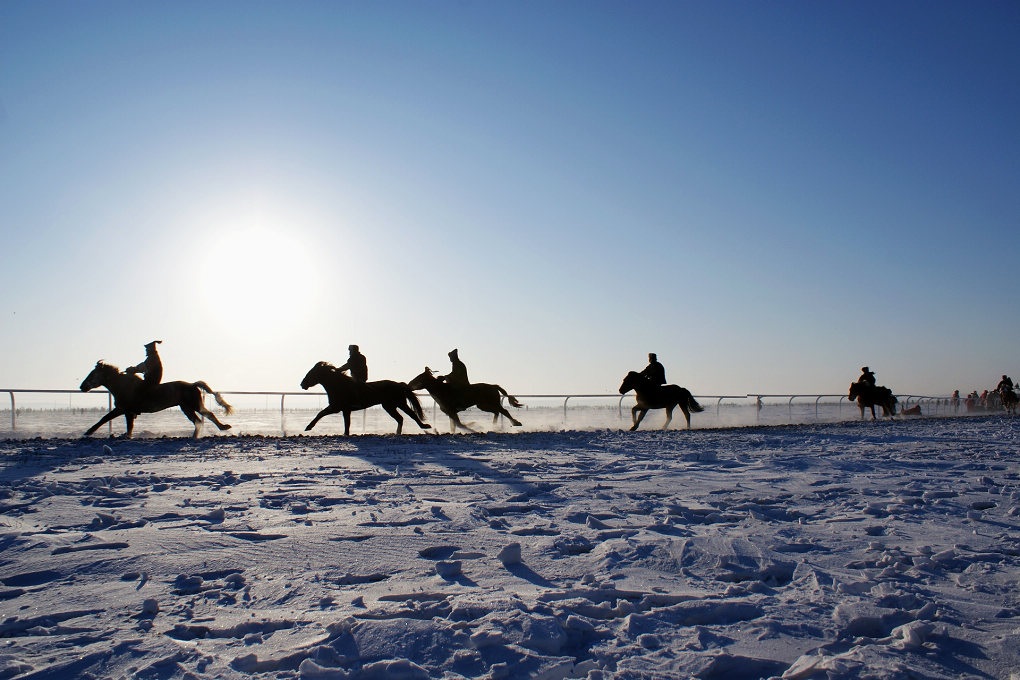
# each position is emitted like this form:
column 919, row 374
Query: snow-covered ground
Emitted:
column 858, row 550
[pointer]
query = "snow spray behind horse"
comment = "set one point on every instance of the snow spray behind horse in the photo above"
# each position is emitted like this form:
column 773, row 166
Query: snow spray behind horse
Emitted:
column 346, row 394
column 130, row 402
column 650, row 395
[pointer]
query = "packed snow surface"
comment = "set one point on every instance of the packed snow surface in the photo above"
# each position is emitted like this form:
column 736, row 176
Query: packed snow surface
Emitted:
column 883, row 549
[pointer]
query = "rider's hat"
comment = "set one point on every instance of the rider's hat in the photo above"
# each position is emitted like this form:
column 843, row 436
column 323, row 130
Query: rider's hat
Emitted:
column 452, row 353
column 353, row 348
column 864, row 369
column 152, row 345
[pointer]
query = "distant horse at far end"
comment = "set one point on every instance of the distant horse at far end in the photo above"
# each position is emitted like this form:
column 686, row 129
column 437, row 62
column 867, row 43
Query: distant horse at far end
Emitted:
column 651, row 395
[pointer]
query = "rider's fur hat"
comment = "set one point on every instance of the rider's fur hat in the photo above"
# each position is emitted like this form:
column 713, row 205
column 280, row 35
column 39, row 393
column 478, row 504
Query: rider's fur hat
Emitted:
column 151, row 347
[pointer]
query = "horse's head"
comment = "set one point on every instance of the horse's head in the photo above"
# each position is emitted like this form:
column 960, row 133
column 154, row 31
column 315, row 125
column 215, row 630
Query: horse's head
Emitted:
column 98, row 377
column 422, row 380
column 630, row 381
column 855, row 389
column 315, row 375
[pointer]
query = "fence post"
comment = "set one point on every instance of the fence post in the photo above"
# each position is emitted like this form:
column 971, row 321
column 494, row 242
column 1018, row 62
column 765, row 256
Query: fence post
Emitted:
column 13, row 411
column 565, row 410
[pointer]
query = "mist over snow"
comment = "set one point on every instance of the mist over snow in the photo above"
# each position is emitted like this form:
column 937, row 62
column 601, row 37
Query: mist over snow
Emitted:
column 835, row 550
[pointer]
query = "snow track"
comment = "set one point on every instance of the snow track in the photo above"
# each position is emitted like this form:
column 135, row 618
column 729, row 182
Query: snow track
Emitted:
column 846, row 550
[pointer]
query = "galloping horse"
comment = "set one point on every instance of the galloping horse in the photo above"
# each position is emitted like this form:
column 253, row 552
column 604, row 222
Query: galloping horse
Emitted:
column 452, row 399
column 871, row 396
column 1009, row 400
column 346, row 395
column 650, row 395
column 124, row 388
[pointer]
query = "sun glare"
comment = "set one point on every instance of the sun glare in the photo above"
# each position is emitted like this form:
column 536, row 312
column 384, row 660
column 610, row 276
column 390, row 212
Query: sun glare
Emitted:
column 258, row 271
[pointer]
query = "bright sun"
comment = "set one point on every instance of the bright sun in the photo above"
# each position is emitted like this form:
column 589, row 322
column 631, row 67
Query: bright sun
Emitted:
column 257, row 270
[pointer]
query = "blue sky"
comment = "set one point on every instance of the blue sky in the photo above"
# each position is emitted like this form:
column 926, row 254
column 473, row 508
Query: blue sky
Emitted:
column 769, row 195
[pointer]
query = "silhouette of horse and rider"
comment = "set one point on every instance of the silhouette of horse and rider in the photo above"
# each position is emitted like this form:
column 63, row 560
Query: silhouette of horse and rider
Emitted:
column 133, row 396
column 454, row 393
column 652, row 392
column 1007, row 393
column 869, row 395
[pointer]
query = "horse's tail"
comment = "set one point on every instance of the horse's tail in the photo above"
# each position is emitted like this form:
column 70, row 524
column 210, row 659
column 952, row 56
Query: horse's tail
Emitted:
column 692, row 404
column 412, row 399
column 510, row 398
column 202, row 385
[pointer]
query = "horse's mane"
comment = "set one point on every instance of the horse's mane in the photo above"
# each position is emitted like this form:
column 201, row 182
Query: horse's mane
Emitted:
column 108, row 365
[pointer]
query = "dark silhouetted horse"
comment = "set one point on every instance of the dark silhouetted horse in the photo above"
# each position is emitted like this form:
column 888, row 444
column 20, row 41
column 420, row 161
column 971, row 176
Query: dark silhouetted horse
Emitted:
column 453, row 399
column 870, row 396
column 1009, row 400
column 651, row 395
column 346, row 395
column 129, row 402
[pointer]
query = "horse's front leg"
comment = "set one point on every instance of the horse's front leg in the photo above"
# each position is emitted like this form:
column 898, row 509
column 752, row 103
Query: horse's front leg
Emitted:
column 117, row 411
column 347, row 423
column 322, row 414
column 638, row 414
column 669, row 417
column 455, row 422
column 129, row 423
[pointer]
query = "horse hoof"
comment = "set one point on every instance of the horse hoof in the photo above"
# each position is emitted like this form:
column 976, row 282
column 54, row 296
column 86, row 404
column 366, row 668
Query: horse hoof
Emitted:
column 226, row 427
column 426, row 426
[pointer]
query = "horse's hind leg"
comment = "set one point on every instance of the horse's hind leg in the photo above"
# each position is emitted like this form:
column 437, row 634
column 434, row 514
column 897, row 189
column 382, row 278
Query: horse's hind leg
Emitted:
column 687, row 415
column 212, row 416
column 395, row 415
column 406, row 408
column 194, row 418
column 506, row 414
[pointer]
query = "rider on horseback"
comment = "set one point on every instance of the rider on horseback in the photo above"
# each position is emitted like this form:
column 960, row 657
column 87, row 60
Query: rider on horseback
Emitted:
column 867, row 377
column 458, row 376
column 357, row 364
column 654, row 370
column 151, row 369
column 1005, row 384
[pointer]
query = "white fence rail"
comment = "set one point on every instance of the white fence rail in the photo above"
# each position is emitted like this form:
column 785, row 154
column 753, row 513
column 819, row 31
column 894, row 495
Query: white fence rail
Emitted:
column 933, row 404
